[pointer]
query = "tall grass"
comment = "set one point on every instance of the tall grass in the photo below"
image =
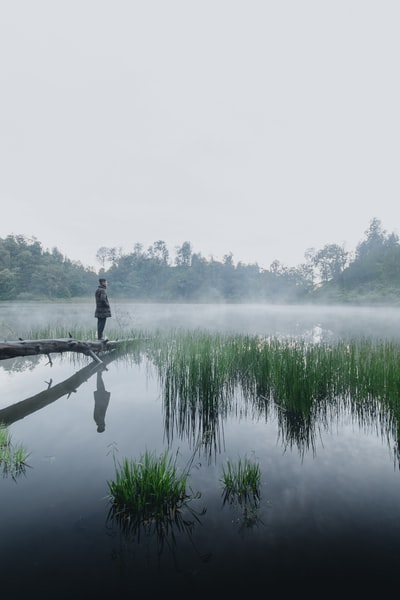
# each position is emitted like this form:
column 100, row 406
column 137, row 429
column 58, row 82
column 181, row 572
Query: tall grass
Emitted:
column 149, row 487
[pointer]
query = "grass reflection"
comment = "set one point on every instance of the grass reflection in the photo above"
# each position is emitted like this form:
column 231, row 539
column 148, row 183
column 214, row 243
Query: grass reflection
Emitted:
column 206, row 376
column 163, row 527
column 241, row 482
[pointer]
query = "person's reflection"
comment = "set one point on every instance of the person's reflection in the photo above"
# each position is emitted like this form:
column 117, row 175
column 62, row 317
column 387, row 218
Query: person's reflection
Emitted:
column 101, row 400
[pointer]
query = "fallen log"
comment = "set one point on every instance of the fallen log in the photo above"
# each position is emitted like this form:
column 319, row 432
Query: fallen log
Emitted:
column 32, row 347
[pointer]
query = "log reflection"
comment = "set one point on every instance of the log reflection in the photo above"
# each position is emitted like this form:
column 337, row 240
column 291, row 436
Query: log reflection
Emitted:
column 26, row 407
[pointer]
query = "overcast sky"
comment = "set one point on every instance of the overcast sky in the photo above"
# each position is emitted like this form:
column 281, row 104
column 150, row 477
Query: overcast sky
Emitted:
column 259, row 128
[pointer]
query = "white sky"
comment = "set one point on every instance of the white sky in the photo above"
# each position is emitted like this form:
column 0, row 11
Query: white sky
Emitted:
column 257, row 127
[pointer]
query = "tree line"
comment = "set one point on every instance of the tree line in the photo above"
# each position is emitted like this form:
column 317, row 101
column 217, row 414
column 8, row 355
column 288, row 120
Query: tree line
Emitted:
column 370, row 275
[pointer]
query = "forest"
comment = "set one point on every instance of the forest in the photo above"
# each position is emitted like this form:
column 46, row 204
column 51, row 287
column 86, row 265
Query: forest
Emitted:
column 370, row 275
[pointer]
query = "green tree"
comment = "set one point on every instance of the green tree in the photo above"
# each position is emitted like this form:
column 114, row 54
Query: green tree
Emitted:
column 330, row 261
column 159, row 251
column 7, row 285
column 374, row 241
column 184, row 255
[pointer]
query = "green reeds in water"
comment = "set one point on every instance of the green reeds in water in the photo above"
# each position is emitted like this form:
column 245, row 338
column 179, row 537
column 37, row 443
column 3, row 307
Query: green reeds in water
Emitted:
column 241, row 481
column 13, row 458
column 149, row 491
column 207, row 375
column 149, row 496
column 149, row 487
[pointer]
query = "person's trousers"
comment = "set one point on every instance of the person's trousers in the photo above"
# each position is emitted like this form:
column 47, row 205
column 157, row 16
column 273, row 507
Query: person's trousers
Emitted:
column 101, row 323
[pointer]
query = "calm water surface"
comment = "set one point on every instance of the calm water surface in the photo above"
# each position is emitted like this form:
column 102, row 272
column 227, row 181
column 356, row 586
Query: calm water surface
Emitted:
column 329, row 511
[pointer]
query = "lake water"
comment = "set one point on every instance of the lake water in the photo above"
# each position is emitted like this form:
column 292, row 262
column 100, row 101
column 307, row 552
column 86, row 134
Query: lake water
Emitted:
column 329, row 512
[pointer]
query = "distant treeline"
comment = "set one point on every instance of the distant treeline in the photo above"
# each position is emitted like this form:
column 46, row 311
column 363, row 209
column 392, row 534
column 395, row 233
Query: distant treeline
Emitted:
column 370, row 275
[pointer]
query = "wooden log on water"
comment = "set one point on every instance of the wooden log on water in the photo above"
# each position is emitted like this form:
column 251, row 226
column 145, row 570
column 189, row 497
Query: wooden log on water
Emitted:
column 32, row 347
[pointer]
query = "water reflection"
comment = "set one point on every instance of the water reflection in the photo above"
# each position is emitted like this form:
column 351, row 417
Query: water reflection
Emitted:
column 21, row 364
column 305, row 388
column 22, row 409
column 164, row 537
column 164, row 529
column 246, row 511
column 244, row 504
column 101, row 400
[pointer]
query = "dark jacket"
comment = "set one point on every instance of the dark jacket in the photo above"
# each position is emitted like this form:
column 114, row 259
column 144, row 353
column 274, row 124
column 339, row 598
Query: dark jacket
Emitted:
column 102, row 303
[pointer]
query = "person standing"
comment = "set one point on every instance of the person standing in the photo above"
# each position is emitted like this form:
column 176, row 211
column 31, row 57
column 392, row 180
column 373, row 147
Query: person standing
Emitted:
column 103, row 310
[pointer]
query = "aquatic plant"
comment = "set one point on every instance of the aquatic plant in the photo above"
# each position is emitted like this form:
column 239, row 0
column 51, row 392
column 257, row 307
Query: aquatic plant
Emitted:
column 241, row 480
column 13, row 458
column 149, row 497
column 5, row 437
column 148, row 488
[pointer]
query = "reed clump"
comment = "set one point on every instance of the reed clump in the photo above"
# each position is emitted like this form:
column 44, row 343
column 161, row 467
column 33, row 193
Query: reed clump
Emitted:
column 149, row 488
column 241, row 480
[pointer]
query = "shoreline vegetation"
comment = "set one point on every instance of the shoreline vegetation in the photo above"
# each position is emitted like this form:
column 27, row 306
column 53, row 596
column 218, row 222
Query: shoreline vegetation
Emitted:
column 370, row 276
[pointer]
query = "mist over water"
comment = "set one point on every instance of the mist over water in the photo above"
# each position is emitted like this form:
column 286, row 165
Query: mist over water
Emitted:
column 258, row 319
